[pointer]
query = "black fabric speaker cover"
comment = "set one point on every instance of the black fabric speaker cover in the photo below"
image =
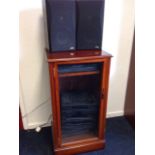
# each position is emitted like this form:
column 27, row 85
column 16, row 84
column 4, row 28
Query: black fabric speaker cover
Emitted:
column 61, row 19
column 89, row 24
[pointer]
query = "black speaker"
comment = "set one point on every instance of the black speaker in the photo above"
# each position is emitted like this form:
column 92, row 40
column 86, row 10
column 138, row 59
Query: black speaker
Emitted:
column 61, row 20
column 90, row 15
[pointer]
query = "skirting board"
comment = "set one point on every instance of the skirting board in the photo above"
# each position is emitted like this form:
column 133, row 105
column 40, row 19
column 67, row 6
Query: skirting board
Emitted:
column 115, row 114
column 39, row 124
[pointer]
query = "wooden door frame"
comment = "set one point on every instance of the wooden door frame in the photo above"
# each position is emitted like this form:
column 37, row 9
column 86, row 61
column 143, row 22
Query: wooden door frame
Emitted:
column 103, row 102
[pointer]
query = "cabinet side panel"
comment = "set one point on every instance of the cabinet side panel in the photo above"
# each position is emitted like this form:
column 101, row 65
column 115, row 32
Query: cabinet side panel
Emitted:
column 104, row 95
column 57, row 103
column 54, row 111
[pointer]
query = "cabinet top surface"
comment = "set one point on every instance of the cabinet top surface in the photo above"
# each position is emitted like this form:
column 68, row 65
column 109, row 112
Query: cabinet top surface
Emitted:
column 77, row 55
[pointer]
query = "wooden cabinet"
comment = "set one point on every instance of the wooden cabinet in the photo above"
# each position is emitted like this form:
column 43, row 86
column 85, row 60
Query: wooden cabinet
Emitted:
column 79, row 90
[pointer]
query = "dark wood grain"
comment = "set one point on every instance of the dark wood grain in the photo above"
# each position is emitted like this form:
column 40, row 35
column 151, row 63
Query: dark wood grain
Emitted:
column 57, row 97
column 54, row 109
column 80, row 148
column 104, row 97
column 76, row 55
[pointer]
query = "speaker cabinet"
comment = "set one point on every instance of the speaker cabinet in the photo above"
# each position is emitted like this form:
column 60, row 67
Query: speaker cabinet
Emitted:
column 89, row 24
column 61, row 20
column 75, row 24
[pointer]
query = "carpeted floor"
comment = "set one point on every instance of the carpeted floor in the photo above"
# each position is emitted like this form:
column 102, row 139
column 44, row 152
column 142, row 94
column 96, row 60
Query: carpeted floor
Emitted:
column 120, row 140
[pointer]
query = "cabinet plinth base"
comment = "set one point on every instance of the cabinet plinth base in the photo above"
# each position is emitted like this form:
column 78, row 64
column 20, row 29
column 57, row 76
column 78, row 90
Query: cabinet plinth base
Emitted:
column 75, row 149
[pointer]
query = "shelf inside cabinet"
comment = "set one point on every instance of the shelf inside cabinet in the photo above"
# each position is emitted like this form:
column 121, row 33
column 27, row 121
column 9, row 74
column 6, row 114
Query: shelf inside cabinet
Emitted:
column 78, row 73
column 79, row 69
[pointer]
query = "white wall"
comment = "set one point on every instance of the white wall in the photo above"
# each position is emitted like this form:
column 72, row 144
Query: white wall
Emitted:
column 34, row 78
column 117, row 39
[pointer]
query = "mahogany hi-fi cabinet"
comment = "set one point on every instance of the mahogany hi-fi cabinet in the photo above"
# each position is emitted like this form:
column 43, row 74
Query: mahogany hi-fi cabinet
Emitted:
column 79, row 90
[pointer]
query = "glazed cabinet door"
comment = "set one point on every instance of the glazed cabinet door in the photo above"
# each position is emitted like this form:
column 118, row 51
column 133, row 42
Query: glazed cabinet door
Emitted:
column 80, row 101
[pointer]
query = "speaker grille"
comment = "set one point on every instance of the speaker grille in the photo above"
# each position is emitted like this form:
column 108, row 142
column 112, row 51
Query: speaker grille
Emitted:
column 75, row 24
column 61, row 24
column 89, row 24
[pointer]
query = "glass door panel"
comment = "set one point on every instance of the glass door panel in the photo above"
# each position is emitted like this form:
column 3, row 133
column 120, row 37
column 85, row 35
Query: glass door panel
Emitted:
column 79, row 86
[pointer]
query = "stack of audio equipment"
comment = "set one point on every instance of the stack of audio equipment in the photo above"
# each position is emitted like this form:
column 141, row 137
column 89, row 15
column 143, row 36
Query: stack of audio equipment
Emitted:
column 79, row 113
column 79, row 105
column 74, row 24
